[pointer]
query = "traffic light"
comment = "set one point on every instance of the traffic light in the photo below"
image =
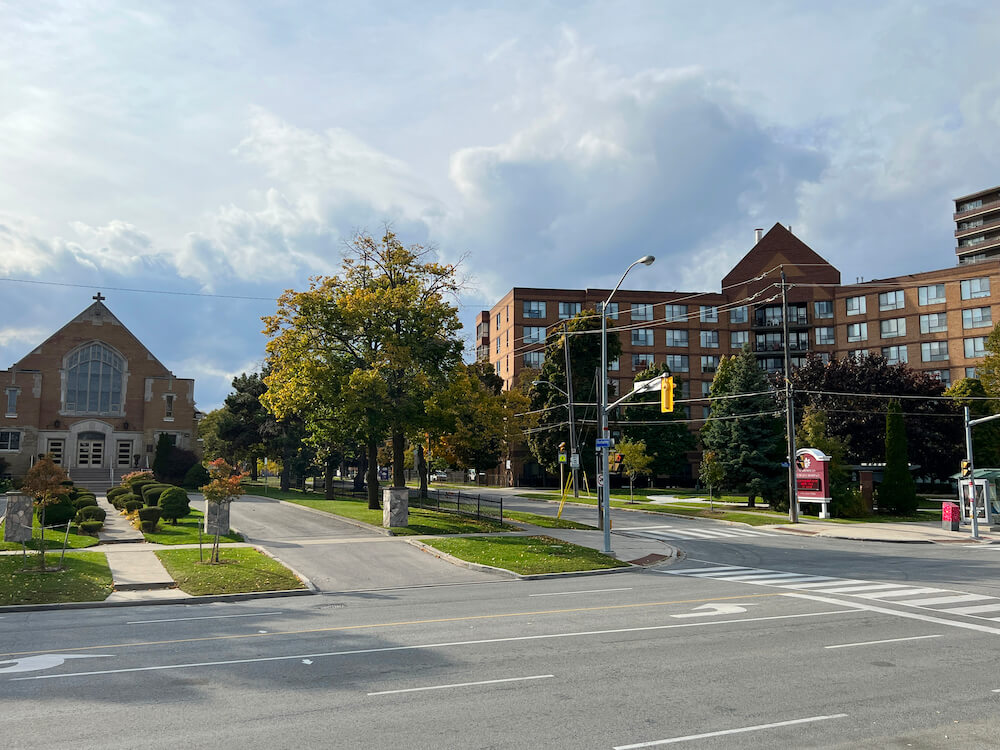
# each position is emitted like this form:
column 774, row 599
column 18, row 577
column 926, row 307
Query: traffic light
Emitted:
column 616, row 461
column 667, row 394
column 966, row 469
column 562, row 447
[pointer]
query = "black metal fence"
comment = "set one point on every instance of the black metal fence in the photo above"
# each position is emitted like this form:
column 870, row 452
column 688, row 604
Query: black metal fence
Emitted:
column 463, row 503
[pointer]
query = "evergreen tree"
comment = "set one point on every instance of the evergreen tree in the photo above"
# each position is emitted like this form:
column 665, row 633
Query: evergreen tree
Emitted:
column 668, row 442
column 746, row 434
column 897, row 494
column 162, row 456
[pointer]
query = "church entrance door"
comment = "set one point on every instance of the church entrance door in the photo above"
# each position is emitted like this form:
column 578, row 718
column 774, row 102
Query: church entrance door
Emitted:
column 89, row 452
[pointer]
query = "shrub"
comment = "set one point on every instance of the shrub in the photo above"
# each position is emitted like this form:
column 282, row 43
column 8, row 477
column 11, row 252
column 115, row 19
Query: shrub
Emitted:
column 91, row 527
column 174, row 504
column 134, row 476
column 196, row 476
column 57, row 513
column 149, row 517
column 83, row 501
column 120, row 500
column 151, row 493
column 90, row 513
column 138, row 484
column 133, row 505
column 116, row 491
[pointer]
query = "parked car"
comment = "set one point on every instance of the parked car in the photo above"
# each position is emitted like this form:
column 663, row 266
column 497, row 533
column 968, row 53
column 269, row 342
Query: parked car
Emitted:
column 439, row 476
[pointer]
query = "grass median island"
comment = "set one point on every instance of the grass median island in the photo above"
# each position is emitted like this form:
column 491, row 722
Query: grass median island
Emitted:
column 185, row 531
column 526, row 555
column 86, row 578
column 53, row 538
column 242, row 569
column 548, row 522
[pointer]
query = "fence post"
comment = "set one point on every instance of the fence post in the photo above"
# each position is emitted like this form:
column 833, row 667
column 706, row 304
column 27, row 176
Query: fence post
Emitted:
column 478, row 498
column 501, row 509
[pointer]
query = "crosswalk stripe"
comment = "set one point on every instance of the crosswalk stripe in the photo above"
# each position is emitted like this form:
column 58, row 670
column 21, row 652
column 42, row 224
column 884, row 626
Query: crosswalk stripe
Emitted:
column 900, row 592
column 713, row 573
column 752, row 577
column 973, row 610
column 867, row 587
column 810, row 583
column 953, row 599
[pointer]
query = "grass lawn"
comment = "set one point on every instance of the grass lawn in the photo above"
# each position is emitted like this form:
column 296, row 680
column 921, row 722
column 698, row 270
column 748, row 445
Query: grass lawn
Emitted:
column 526, row 554
column 86, row 578
column 548, row 522
column 53, row 538
column 241, row 569
column 185, row 531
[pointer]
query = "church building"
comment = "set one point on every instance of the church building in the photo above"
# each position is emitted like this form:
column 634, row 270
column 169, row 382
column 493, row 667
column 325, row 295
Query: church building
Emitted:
column 95, row 399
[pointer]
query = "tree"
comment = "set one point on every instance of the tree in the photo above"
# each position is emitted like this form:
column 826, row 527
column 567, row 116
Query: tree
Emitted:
column 989, row 369
column 897, row 493
column 857, row 419
column 223, row 487
column 710, row 473
column 845, row 502
column 47, row 484
column 245, row 420
column 746, row 434
column 358, row 355
column 668, row 441
column 635, row 461
column 213, row 444
column 585, row 358
column 162, row 456
column 985, row 437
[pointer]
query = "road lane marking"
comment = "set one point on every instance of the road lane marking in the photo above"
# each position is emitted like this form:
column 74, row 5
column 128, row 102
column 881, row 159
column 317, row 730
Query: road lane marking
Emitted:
column 952, row 599
column 207, row 617
column 847, row 609
column 711, row 610
column 588, row 591
column 368, row 626
column 900, row 613
column 855, row 588
column 887, row 640
column 900, row 592
column 464, row 684
column 973, row 610
column 723, row 732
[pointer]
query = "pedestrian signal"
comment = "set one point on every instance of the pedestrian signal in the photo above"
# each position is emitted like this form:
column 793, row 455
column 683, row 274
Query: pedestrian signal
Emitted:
column 667, row 394
column 616, row 461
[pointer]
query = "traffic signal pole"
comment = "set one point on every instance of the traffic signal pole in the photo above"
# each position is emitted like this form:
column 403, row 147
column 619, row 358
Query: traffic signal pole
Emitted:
column 973, row 505
column 793, row 505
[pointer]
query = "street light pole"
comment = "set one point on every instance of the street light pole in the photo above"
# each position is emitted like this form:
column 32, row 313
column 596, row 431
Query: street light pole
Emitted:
column 603, row 407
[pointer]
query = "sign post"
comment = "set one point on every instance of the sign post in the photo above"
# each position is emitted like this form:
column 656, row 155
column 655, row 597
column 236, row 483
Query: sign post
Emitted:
column 812, row 479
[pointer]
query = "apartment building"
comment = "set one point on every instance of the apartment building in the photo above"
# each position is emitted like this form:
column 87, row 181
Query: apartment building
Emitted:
column 977, row 226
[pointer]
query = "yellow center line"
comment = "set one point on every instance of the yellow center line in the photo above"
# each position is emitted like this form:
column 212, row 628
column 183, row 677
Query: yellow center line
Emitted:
column 340, row 628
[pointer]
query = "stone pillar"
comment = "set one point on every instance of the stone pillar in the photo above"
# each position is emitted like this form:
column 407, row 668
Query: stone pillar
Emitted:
column 17, row 527
column 395, row 507
column 217, row 518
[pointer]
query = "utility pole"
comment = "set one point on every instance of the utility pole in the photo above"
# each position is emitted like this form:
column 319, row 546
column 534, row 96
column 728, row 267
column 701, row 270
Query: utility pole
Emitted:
column 974, row 506
column 574, row 468
column 793, row 505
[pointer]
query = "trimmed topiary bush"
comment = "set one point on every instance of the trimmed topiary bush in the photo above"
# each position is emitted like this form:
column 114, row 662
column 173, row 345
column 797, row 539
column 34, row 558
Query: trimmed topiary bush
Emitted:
column 174, row 504
column 120, row 500
column 133, row 505
column 138, row 484
column 149, row 517
column 83, row 501
column 196, row 476
column 91, row 527
column 58, row 513
column 90, row 513
column 116, row 491
column 151, row 493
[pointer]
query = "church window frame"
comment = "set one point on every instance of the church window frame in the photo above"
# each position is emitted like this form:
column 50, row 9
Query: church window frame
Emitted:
column 95, row 379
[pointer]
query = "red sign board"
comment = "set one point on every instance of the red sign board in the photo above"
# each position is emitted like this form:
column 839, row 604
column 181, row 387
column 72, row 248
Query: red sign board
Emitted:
column 812, row 475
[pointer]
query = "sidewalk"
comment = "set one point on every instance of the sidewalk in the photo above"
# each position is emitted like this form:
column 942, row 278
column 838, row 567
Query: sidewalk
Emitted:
column 912, row 533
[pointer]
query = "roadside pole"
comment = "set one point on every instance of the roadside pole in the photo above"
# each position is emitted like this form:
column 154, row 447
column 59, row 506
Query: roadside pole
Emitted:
column 793, row 505
column 574, row 467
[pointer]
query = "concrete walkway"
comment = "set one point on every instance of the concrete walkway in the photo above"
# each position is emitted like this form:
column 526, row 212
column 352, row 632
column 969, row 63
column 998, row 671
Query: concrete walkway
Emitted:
column 117, row 528
column 887, row 532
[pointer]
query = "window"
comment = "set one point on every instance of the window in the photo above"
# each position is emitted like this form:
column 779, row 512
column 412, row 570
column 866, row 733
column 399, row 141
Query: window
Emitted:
column 531, row 309
column 798, row 341
column 496, row 324
column 738, row 315
column 943, row 375
column 641, row 362
column 738, row 338
column 825, row 335
column 824, row 357
column 94, row 380
column 857, row 331
column 891, row 300
column 892, row 328
column 677, row 337
column 12, row 401
column 975, row 347
column 614, row 365
column 823, row 308
column 10, row 440
column 772, row 364
column 642, row 337
column 858, row 354
column 497, row 367
column 895, row 355
column 856, row 306
column 612, row 311
column 768, row 316
column 675, row 312
column 168, row 405
column 706, row 412
column 976, row 288
column 769, row 342
column 534, row 360
column 706, row 387
column 534, row 334
column 709, row 314
column 568, row 309
column 641, row 311
column 934, row 323
column 709, row 339
column 498, row 344
column 969, row 205
column 683, row 387
column 930, row 295
column 977, row 317
column 709, row 363
column 934, row 351
column 971, row 372
column 483, row 329
column 678, row 363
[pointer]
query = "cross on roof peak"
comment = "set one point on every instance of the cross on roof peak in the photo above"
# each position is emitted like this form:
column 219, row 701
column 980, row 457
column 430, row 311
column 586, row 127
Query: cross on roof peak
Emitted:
column 99, row 297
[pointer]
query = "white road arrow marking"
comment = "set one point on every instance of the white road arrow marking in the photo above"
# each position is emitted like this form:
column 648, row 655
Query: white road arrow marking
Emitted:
column 42, row 661
column 710, row 610
column 307, row 661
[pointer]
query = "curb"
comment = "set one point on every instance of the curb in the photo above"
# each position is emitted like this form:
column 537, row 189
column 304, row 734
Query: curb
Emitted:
column 211, row 598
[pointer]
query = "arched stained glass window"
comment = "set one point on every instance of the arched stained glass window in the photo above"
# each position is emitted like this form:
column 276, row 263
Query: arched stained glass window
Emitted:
column 94, row 380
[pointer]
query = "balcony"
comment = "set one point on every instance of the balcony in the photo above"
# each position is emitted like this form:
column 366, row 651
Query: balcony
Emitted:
column 988, row 244
column 770, row 324
column 977, row 210
column 986, row 225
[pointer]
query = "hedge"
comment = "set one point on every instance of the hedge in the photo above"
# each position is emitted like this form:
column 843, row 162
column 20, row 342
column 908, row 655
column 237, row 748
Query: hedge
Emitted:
column 148, row 518
column 174, row 504
column 91, row 513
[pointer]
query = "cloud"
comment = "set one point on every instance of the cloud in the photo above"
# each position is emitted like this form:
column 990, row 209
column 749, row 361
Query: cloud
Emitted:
column 29, row 335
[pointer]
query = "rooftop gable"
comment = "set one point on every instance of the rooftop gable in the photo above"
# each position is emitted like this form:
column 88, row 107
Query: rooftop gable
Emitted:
column 779, row 247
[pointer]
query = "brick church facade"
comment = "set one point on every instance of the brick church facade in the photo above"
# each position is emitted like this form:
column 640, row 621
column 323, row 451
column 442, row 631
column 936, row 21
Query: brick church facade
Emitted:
column 95, row 399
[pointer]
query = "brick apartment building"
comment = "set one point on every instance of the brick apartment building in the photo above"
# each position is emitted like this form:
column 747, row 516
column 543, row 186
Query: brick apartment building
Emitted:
column 977, row 226
column 95, row 398
column 936, row 321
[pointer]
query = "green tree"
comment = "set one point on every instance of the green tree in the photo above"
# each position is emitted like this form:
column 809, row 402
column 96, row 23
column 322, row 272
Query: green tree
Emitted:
column 162, row 456
column 213, row 444
column 47, row 484
column 667, row 439
column 635, row 461
column 897, row 494
column 845, row 502
column 746, row 434
column 710, row 474
column 989, row 369
column 244, row 422
column 985, row 437
column 358, row 355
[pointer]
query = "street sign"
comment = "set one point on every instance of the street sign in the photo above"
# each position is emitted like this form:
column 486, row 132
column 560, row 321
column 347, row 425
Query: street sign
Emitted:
column 562, row 458
column 574, row 461
column 600, row 480
column 602, row 443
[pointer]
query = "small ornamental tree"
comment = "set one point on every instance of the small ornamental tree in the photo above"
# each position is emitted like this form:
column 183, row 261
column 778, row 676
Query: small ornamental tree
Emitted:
column 44, row 483
column 222, row 489
column 635, row 461
column 710, row 473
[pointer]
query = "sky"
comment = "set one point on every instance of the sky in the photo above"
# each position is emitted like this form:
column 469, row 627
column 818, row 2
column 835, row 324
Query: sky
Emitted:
column 226, row 151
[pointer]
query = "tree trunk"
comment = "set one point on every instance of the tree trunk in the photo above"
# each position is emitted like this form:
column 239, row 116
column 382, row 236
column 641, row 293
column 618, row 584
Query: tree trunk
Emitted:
column 398, row 457
column 286, row 466
column 422, row 469
column 328, row 492
column 752, row 501
column 372, row 478
column 359, row 476
column 253, row 469
column 42, row 545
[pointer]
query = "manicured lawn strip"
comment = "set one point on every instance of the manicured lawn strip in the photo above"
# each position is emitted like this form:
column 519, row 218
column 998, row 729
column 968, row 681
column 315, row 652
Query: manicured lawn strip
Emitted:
column 241, row 569
column 86, row 578
column 548, row 522
column 422, row 520
column 185, row 531
column 53, row 538
column 526, row 554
